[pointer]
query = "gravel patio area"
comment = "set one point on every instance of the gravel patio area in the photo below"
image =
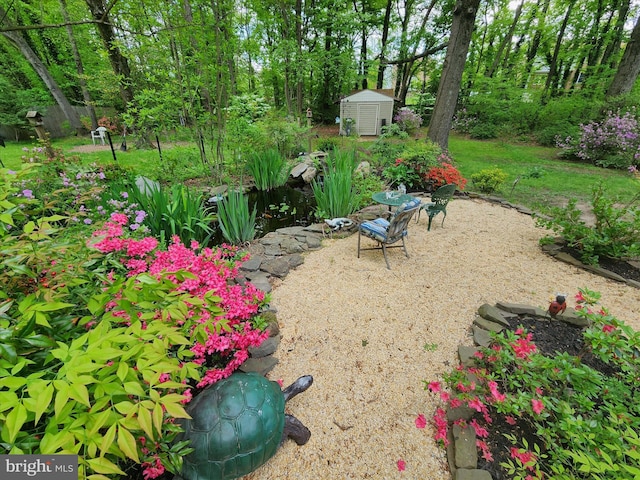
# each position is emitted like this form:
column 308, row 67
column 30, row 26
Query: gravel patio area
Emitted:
column 370, row 336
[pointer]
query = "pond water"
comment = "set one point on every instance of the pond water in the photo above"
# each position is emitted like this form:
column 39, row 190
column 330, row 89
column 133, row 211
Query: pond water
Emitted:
column 282, row 207
column 278, row 208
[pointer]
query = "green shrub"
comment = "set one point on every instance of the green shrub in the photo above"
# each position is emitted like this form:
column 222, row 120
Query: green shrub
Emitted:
column 268, row 168
column 483, row 131
column 236, row 223
column 402, row 172
column 423, row 154
column 568, row 110
column 334, row 195
column 364, row 187
column 549, row 134
column 615, row 233
column 249, row 106
column 414, row 164
column 96, row 352
column 327, row 144
column 393, row 130
column 489, row 180
column 386, row 149
column 12, row 213
column 287, row 137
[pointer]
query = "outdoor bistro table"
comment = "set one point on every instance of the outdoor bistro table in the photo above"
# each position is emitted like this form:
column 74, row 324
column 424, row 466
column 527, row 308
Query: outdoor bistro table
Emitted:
column 393, row 199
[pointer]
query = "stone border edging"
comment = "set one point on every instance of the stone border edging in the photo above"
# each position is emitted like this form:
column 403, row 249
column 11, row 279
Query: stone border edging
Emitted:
column 462, row 452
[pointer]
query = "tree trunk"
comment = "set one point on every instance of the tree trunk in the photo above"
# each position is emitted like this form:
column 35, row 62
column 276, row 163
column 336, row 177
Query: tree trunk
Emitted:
column 614, row 45
column 506, row 42
column 532, row 51
column 21, row 44
column 629, row 67
column 551, row 83
column 203, row 91
column 86, row 95
column 119, row 62
column 383, row 45
column 299, row 74
column 464, row 16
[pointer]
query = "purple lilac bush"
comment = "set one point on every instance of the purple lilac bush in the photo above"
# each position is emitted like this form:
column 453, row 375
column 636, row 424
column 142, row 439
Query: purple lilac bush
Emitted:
column 612, row 142
column 408, row 120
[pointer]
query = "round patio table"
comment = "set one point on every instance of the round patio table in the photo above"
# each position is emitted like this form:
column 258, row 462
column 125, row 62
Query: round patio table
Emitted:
column 393, row 198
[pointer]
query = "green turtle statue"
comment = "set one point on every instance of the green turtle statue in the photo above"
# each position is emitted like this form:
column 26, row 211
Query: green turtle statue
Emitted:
column 237, row 425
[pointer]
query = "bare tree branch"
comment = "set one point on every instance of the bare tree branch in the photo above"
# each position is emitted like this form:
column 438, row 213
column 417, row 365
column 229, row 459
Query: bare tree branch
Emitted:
column 44, row 26
column 418, row 56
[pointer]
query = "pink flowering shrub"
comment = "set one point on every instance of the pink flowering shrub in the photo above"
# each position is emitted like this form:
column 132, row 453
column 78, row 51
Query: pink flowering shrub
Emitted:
column 205, row 274
column 219, row 335
column 562, row 415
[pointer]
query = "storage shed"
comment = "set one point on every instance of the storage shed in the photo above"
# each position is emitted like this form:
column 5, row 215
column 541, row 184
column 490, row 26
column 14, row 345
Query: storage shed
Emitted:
column 365, row 112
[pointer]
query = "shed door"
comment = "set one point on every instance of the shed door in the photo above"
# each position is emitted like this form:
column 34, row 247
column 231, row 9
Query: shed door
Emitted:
column 368, row 118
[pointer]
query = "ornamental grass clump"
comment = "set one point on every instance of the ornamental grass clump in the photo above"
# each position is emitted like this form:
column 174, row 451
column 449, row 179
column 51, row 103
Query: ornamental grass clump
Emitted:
column 269, row 169
column 567, row 420
column 177, row 211
column 334, row 195
column 237, row 224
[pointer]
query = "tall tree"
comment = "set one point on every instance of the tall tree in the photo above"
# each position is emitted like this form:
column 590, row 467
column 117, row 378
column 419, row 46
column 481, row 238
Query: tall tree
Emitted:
column 86, row 95
column 506, row 42
column 464, row 16
column 119, row 63
column 551, row 82
column 17, row 39
column 383, row 44
column 537, row 39
column 629, row 67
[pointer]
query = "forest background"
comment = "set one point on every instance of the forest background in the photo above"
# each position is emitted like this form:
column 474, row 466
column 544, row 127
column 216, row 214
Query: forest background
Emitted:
column 520, row 68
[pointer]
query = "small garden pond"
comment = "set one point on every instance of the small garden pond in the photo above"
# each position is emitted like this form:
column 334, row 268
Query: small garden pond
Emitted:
column 281, row 207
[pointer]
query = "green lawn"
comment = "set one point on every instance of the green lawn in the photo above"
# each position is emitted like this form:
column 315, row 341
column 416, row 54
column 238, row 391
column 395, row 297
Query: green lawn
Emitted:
column 542, row 177
column 536, row 175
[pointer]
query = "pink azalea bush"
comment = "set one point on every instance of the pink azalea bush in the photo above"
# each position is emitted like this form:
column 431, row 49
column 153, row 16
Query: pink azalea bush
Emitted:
column 221, row 336
column 579, row 418
column 211, row 272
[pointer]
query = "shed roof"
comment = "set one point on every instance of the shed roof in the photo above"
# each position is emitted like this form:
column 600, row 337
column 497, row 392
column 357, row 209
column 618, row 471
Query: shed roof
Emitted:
column 368, row 96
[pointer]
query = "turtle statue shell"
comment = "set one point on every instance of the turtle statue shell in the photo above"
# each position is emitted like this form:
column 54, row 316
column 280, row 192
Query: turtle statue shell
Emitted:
column 236, row 426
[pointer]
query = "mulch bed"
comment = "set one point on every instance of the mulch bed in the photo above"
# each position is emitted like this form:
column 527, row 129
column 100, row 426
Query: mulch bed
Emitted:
column 619, row 267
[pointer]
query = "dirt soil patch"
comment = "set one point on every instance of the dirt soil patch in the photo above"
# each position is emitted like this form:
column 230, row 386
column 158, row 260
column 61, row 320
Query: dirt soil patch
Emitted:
column 370, row 336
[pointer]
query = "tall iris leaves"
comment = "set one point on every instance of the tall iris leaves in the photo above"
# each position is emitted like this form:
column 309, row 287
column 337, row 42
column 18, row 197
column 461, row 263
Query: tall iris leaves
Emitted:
column 176, row 212
column 268, row 168
column 334, row 197
column 236, row 223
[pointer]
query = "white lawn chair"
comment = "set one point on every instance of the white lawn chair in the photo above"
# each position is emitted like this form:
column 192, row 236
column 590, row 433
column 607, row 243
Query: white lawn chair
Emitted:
column 100, row 133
